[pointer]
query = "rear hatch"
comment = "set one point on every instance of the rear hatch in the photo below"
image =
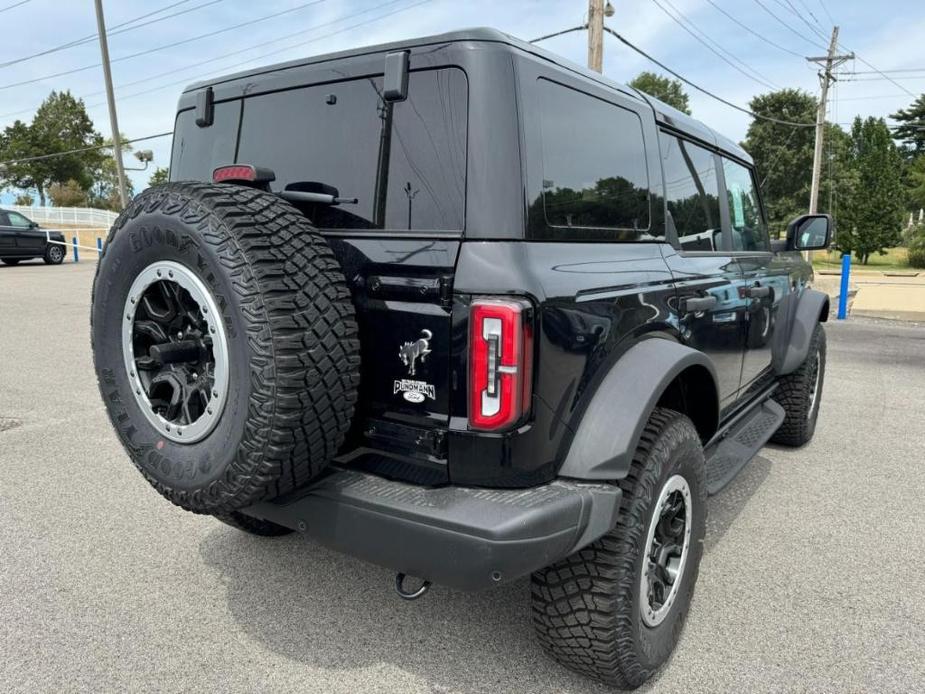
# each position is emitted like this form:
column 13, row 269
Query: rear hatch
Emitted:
column 402, row 166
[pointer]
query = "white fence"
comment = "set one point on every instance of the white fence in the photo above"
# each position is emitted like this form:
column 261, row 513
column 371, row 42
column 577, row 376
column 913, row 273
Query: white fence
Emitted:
column 84, row 216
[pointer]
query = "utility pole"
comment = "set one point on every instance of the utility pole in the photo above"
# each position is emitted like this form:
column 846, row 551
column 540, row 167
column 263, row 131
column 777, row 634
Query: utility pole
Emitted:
column 828, row 63
column 596, row 35
column 113, row 120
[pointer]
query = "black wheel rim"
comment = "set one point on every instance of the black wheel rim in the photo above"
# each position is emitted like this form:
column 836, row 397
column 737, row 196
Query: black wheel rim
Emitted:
column 176, row 352
column 666, row 550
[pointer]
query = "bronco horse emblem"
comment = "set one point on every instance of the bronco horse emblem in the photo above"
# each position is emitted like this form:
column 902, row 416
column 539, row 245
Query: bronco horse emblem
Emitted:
column 410, row 352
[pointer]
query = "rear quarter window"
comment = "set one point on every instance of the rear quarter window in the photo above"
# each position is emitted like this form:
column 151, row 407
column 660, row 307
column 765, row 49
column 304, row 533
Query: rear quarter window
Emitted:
column 595, row 177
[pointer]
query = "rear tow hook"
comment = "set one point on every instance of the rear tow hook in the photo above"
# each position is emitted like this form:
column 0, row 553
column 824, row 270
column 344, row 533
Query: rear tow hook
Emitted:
column 406, row 594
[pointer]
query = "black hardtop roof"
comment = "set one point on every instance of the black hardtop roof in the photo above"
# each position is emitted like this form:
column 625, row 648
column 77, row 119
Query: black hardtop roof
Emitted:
column 663, row 112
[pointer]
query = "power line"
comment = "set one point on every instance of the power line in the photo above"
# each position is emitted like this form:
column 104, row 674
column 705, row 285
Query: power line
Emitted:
column 165, row 134
column 115, row 29
column 755, row 33
column 799, row 15
column 884, row 72
column 224, row 70
column 166, row 46
column 827, row 13
column 239, row 51
column 82, row 149
column 886, row 77
column 760, row 79
column 559, row 33
column 701, row 89
column 14, row 5
column 785, row 25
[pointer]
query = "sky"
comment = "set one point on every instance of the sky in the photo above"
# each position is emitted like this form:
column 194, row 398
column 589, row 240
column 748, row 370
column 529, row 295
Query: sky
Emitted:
column 147, row 86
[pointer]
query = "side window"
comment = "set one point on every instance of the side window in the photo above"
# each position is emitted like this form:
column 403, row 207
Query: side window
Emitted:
column 749, row 232
column 18, row 221
column 594, row 167
column 334, row 134
column 692, row 194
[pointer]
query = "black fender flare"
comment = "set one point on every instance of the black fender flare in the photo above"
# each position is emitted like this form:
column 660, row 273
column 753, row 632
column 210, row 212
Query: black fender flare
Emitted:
column 608, row 433
column 801, row 313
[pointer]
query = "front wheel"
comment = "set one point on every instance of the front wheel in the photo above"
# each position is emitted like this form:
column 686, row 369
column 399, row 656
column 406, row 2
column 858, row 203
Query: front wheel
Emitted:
column 800, row 394
column 614, row 610
column 54, row 254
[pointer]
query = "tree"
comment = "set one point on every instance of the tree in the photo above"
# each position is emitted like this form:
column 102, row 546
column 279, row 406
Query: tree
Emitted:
column 872, row 219
column 25, row 200
column 911, row 132
column 160, row 175
column 783, row 154
column 104, row 191
column 60, row 124
column 68, row 194
column 914, row 180
column 668, row 90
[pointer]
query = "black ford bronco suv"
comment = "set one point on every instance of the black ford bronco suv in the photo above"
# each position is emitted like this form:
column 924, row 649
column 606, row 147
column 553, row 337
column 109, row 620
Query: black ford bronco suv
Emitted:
column 463, row 309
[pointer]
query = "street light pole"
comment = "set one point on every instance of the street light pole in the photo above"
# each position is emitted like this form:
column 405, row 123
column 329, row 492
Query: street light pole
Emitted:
column 113, row 120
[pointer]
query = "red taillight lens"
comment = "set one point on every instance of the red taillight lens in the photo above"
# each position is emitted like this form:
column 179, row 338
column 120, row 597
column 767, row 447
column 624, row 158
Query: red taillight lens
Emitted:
column 237, row 172
column 500, row 363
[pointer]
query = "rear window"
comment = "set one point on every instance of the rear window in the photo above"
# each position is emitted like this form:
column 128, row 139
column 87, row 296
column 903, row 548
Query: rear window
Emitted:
column 594, row 166
column 197, row 151
column 336, row 134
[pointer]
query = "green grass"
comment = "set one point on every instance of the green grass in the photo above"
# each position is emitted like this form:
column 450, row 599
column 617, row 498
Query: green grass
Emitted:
column 895, row 259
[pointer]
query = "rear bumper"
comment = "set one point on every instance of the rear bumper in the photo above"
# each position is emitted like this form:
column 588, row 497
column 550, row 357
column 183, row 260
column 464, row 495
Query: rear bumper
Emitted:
column 462, row 537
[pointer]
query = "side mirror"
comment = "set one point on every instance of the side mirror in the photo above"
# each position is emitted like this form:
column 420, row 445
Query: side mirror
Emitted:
column 810, row 232
column 33, row 225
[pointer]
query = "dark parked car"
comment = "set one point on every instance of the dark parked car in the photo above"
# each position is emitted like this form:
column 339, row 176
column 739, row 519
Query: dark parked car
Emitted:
column 23, row 239
column 460, row 308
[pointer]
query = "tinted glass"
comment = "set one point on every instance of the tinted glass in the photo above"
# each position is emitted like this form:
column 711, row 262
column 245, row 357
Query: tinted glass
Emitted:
column 594, row 163
column 692, row 194
column 749, row 232
column 198, row 151
column 4, row 220
column 334, row 135
column 17, row 220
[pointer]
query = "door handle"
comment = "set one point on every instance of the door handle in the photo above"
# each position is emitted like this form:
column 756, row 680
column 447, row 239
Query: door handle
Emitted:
column 695, row 304
column 758, row 292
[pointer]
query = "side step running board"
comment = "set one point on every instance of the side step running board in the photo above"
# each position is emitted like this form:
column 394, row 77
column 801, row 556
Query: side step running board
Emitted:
column 741, row 443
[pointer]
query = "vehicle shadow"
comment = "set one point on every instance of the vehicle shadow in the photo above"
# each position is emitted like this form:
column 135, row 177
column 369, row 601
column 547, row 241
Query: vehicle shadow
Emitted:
column 327, row 610
column 724, row 507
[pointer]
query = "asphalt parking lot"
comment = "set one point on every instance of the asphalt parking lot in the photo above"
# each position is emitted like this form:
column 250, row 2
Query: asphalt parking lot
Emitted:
column 812, row 578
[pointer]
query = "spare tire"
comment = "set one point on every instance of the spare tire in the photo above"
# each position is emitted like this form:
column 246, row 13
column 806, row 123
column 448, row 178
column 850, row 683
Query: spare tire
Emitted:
column 225, row 344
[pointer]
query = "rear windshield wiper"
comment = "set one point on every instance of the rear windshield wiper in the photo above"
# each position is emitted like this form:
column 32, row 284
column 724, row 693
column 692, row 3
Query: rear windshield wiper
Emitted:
column 315, row 192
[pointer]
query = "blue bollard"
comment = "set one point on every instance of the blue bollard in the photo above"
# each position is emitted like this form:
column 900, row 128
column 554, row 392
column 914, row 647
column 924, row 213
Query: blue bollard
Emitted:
column 99, row 245
column 76, row 253
column 843, row 293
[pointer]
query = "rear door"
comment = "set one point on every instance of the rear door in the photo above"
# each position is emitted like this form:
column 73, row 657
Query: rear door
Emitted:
column 712, row 309
column 405, row 164
column 7, row 237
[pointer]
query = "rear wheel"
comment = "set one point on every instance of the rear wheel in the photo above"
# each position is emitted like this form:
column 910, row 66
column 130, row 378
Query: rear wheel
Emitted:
column 615, row 609
column 54, row 254
column 800, row 394
column 11, row 261
column 225, row 344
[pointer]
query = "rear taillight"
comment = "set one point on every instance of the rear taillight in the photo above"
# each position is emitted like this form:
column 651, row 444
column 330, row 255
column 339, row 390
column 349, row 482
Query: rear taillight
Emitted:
column 500, row 363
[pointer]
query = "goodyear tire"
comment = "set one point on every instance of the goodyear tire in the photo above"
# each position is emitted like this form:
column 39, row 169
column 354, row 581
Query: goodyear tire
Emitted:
column 225, row 344
column 615, row 609
column 800, row 394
